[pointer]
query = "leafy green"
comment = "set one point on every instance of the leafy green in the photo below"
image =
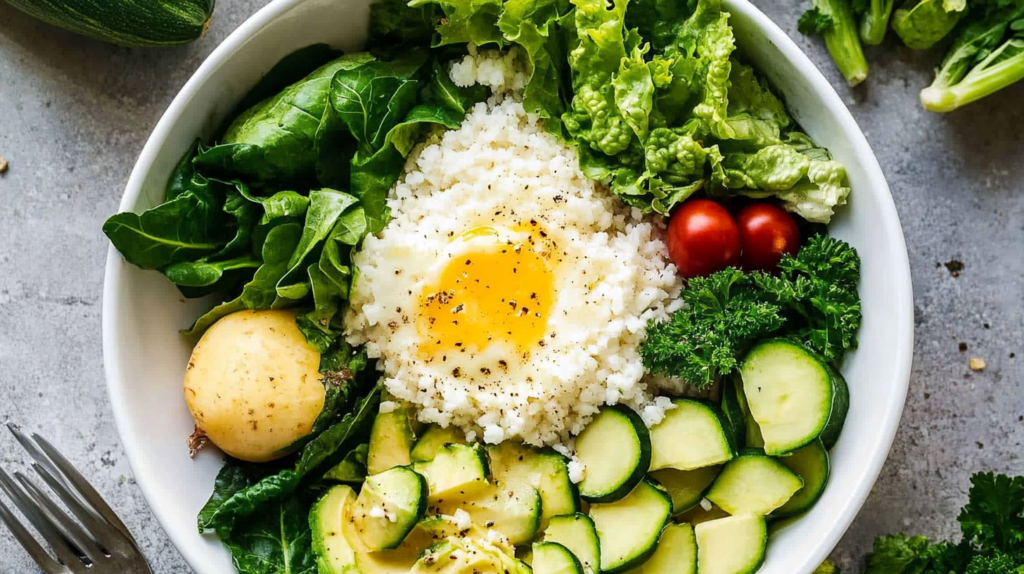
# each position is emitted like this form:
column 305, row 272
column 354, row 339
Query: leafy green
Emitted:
column 835, row 21
column 987, row 55
column 992, row 525
column 541, row 28
column 277, row 539
column 923, row 23
column 874, row 19
column 394, row 23
column 275, row 139
column 466, row 21
column 325, row 207
column 812, row 299
column 291, row 69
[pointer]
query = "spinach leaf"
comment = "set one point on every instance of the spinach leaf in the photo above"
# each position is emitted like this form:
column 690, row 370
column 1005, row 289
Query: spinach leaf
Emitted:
column 325, row 206
column 244, row 214
column 537, row 26
column 275, row 540
column 230, row 502
column 467, row 21
column 204, row 273
column 393, row 23
column 289, row 70
column 354, row 425
column 274, row 140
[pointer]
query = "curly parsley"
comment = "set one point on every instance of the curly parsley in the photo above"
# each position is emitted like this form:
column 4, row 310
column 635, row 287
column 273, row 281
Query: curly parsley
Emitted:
column 812, row 299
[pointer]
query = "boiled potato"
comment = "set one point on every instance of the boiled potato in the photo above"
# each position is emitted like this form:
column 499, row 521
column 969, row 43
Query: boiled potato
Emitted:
column 253, row 385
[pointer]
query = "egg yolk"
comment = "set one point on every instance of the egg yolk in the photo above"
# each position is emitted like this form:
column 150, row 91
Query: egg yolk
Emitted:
column 495, row 291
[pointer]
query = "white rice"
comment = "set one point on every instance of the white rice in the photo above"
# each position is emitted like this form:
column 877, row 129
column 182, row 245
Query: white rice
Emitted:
column 614, row 278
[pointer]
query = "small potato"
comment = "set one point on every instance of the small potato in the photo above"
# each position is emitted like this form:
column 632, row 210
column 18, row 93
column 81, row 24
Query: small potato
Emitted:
column 253, row 385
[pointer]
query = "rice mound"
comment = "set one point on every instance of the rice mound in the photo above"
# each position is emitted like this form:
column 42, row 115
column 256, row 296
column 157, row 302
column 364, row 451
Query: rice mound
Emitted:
column 501, row 167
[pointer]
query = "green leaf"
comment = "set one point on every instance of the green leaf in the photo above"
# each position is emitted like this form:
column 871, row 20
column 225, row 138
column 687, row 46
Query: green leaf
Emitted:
column 467, row 21
column 394, row 23
column 814, row 22
column 924, row 23
column 994, row 514
column 372, row 178
column 633, row 88
column 291, row 69
column 334, row 439
column 325, row 206
column 205, row 273
column 277, row 539
column 898, row 554
column 539, row 27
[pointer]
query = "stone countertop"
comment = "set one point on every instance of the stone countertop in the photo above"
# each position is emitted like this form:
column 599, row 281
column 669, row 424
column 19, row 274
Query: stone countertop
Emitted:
column 75, row 113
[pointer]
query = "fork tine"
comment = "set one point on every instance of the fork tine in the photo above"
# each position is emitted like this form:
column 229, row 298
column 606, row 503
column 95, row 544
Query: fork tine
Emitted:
column 78, row 482
column 32, row 449
column 45, row 562
column 27, row 507
column 70, row 529
column 103, row 532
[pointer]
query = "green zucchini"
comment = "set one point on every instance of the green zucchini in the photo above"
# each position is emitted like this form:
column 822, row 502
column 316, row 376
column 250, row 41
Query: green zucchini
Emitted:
column 126, row 22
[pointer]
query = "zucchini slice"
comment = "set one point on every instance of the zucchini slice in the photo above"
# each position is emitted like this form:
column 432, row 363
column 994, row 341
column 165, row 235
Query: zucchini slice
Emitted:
column 628, row 529
column 577, row 533
column 431, row 441
column 698, row 514
column 733, row 545
column 388, row 507
column 734, row 409
column 513, row 512
column 840, row 406
column 458, row 470
column 514, row 464
column 692, row 435
column 811, row 464
column 790, row 394
column 676, row 553
column 352, row 469
column 753, row 484
column 334, row 554
column 391, row 440
column 686, row 487
column 553, row 558
column 615, row 448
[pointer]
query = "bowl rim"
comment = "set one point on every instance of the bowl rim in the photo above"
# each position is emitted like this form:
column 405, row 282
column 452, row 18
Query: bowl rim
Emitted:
column 890, row 225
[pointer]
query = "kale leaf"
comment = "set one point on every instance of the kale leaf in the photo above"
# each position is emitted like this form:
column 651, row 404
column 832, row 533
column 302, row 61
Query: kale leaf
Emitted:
column 812, row 299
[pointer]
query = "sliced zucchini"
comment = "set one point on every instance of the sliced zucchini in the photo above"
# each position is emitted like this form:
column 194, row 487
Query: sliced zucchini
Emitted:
column 458, row 470
column 513, row 464
column 733, row 545
column 676, row 552
column 465, row 556
column 391, row 439
column 553, row 558
column 334, row 554
column 525, row 555
column 734, row 409
column 686, row 487
column 698, row 514
column 811, row 464
column 352, row 469
column 512, row 511
column 840, row 406
column 690, row 436
column 628, row 529
column 753, row 483
column 790, row 394
column 754, row 438
column 388, row 507
column 615, row 448
column 431, row 441
column 577, row 533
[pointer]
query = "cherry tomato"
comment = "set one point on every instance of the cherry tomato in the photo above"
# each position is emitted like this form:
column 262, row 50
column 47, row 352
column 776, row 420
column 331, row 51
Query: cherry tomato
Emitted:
column 766, row 232
column 703, row 238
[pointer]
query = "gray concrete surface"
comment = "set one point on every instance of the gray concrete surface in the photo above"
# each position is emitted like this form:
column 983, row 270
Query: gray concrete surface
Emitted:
column 74, row 114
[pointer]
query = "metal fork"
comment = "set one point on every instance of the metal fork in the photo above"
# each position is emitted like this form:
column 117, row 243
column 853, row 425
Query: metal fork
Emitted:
column 98, row 543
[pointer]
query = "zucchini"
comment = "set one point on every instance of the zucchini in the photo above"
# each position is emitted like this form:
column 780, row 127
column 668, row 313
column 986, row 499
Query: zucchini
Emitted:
column 790, row 392
column 388, row 507
column 698, row 514
column 334, row 554
column 840, row 406
column 391, row 440
column 734, row 409
column 352, row 469
column 431, row 441
column 553, row 558
column 126, row 22
column 692, row 435
column 514, row 512
column 676, row 552
column 686, row 487
column 733, row 545
column 753, row 484
column 628, row 529
column 457, row 470
column 615, row 448
column 811, row 464
column 577, row 533
column 515, row 464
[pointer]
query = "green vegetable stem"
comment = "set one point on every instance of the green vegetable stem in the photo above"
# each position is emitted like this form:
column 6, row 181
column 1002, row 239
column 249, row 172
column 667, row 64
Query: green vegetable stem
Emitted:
column 834, row 21
column 986, row 56
column 874, row 20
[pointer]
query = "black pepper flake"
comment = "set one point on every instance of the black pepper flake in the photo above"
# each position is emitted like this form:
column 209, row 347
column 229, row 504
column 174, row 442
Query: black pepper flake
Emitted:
column 963, row 347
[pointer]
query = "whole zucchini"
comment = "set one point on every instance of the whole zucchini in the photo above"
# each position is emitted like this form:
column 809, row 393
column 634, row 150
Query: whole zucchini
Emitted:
column 126, row 22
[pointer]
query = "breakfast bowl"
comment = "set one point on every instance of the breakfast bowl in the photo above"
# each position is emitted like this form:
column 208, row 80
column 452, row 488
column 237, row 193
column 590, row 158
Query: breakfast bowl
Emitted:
column 145, row 355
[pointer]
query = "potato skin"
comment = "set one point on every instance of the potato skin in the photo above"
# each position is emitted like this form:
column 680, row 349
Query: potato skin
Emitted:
column 253, row 384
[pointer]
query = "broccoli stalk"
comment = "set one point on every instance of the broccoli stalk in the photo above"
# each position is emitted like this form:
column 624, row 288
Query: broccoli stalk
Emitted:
column 834, row 20
column 875, row 21
column 987, row 56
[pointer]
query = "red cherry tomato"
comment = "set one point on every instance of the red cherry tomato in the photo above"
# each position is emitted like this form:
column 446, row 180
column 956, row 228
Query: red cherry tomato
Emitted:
column 766, row 232
column 703, row 238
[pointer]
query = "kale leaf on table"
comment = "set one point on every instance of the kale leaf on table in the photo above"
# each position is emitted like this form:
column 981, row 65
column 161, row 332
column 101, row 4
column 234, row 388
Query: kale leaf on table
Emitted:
column 813, row 299
column 992, row 527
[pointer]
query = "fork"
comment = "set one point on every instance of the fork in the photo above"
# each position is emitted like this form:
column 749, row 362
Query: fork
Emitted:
column 98, row 543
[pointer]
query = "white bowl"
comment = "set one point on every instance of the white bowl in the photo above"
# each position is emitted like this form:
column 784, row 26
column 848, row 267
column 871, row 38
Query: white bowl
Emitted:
column 142, row 311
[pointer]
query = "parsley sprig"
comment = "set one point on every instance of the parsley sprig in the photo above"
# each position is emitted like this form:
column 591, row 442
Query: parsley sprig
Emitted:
column 813, row 299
